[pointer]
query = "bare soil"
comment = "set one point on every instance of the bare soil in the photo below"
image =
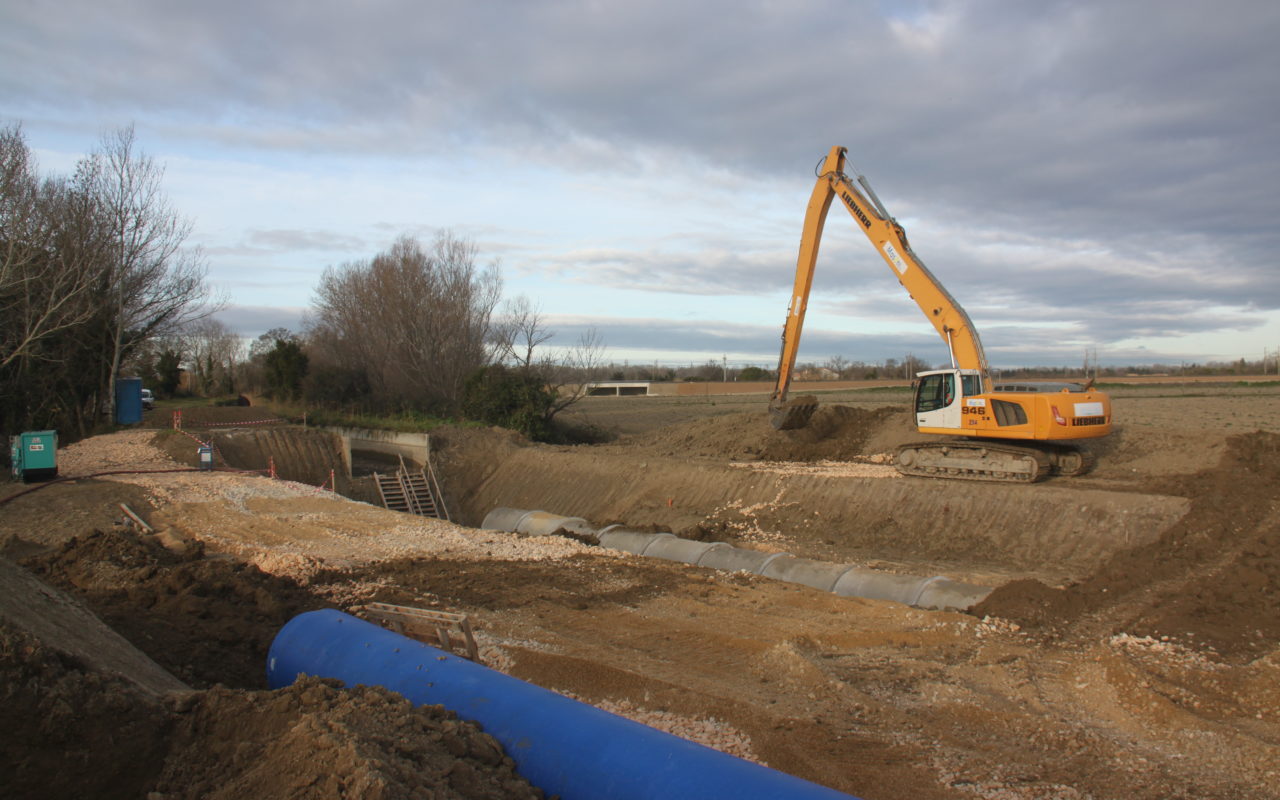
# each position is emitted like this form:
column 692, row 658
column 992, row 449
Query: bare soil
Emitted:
column 1131, row 647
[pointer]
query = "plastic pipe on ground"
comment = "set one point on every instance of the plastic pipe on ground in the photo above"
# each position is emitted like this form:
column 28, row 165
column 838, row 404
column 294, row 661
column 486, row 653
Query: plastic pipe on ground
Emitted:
column 935, row 592
column 560, row 745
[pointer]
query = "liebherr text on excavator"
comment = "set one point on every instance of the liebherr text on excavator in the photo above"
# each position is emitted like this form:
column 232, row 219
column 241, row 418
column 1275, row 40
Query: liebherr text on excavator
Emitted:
column 1015, row 432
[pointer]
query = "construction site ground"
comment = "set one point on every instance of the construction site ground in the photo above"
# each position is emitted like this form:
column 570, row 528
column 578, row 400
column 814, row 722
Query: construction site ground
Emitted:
column 1130, row 648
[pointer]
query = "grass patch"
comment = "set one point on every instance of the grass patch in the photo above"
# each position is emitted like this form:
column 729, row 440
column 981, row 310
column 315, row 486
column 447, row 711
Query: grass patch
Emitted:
column 403, row 422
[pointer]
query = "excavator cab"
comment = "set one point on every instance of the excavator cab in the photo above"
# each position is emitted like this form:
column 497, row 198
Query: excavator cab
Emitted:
column 941, row 396
column 935, row 391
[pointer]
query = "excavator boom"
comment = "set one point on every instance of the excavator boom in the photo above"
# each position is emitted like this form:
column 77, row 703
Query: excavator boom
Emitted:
column 890, row 240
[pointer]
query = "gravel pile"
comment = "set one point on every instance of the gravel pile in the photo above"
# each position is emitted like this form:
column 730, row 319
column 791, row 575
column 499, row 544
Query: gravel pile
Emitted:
column 124, row 450
column 292, row 529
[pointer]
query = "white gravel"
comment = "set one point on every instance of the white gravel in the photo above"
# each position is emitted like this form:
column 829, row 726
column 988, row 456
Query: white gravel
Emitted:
column 290, row 528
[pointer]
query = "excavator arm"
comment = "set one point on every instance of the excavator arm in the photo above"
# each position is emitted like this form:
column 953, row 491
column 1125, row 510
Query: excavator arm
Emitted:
column 890, row 240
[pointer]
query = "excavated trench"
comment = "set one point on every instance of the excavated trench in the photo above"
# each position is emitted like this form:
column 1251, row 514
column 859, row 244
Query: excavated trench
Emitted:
column 979, row 532
column 970, row 531
column 305, row 455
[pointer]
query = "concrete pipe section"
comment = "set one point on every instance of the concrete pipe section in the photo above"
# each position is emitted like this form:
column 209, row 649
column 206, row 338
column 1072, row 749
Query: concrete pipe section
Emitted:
column 562, row 746
column 936, row 592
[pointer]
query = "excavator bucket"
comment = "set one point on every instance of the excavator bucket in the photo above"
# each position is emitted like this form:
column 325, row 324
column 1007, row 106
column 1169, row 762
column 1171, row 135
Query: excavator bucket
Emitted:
column 794, row 413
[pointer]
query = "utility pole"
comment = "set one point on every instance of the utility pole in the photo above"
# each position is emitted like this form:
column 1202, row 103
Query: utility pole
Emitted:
column 724, row 365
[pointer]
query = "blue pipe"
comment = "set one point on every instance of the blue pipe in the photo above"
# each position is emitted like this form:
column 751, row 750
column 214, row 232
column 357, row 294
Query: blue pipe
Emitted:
column 560, row 745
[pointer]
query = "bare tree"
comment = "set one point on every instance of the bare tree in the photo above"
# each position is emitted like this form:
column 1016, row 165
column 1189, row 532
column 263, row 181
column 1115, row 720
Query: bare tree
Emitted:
column 44, row 284
column 152, row 285
column 838, row 365
column 416, row 321
column 91, row 268
column 519, row 332
column 569, row 376
column 911, row 365
column 212, row 350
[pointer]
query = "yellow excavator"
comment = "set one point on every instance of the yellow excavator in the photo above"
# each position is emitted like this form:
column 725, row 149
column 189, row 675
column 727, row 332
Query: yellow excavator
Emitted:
column 1014, row 432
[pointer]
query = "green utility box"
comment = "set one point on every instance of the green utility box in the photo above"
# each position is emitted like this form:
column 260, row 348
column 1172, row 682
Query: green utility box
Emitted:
column 34, row 455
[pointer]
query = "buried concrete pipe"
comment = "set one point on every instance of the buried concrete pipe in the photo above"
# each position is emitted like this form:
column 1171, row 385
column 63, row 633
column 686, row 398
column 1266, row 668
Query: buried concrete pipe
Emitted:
column 821, row 575
column 674, row 548
column 738, row 559
column 935, row 592
column 534, row 523
column 562, row 746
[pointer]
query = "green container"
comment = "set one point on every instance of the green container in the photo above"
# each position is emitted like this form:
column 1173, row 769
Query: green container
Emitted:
column 34, row 455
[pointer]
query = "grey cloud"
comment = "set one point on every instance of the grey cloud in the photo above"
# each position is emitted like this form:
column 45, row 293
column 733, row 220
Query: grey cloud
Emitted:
column 253, row 321
column 280, row 240
column 718, row 336
column 1142, row 129
column 678, row 341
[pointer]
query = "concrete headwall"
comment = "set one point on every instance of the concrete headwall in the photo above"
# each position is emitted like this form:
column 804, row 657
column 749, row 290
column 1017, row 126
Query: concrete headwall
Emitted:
column 415, row 447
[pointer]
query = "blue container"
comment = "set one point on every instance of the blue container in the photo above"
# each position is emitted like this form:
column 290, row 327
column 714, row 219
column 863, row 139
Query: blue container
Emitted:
column 34, row 455
column 206, row 456
column 560, row 745
column 128, row 401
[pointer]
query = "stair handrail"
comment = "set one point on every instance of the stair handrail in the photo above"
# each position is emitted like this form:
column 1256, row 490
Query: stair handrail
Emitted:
column 410, row 496
column 433, row 486
column 377, row 481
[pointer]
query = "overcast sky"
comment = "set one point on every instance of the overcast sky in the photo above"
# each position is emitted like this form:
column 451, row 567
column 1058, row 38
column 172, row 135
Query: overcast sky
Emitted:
column 1079, row 175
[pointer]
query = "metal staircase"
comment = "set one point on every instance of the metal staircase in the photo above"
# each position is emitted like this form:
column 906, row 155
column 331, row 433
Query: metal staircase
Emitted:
column 412, row 492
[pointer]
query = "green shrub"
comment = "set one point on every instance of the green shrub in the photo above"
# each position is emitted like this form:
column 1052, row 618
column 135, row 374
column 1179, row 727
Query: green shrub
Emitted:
column 509, row 398
column 337, row 387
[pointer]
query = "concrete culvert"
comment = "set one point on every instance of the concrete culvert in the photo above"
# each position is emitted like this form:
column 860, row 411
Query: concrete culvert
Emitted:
column 818, row 574
column 627, row 541
column 933, row 592
column 736, row 559
column 673, row 548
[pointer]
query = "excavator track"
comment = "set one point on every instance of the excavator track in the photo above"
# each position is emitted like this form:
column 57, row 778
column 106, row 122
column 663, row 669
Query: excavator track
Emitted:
column 974, row 460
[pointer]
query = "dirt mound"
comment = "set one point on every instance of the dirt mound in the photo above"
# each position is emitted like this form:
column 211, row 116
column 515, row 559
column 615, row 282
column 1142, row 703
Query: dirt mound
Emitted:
column 206, row 620
column 1212, row 579
column 834, row 433
column 369, row 742
column 69, row 731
